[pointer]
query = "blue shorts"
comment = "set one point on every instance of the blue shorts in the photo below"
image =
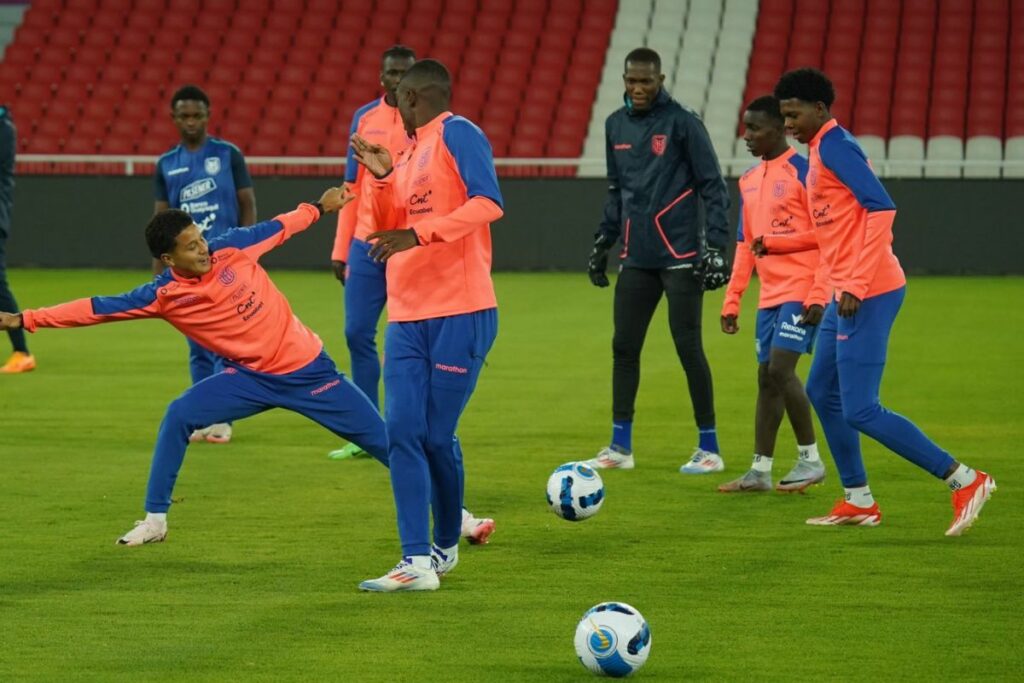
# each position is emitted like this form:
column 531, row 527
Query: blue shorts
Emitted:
column 779, row 327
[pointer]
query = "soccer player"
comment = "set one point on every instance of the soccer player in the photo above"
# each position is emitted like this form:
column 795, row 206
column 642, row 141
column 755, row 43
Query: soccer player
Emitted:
column 219, row 295
column 363, row 279
column 660, row 163
column 773, row 208
column 20, row 360
column 432, row 205
column 207, row 178
column 853, row 217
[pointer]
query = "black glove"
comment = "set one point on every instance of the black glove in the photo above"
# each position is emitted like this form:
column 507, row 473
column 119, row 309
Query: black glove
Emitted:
column 713, row 270
column 597, row 264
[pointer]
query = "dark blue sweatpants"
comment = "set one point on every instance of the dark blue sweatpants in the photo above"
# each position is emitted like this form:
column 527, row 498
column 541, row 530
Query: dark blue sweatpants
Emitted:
column 843, row 386
column 317, row 391
column 430, row 370
column 366, row 292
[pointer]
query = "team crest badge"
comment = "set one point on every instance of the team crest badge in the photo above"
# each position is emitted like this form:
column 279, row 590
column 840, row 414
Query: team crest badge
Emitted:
column 779, row 189
column 658, row 144
column 212, row 165
column 227, row 276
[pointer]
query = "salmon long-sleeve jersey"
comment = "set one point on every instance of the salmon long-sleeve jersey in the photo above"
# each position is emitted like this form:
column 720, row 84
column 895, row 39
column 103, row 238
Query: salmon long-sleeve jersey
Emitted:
column 234, row 310
column 445, row 188
column 852, row 214
column 773, row 203
column 379, row 123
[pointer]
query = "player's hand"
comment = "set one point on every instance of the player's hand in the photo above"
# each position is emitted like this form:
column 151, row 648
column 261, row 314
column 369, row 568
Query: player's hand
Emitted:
column 758, row 247
column 597, row 263
column 713, row 271
column 730, row 325
column 387, row 243
column 339, row 271
column 376, row 158
column 334, row 198
column 10, row 321
column 848, row 305
column 812, row 314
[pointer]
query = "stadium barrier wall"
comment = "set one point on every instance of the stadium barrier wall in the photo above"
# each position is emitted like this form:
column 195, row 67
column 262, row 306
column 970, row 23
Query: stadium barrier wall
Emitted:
column 943, row 226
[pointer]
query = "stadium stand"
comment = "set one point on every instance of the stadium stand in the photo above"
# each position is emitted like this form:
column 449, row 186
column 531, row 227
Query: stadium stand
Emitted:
column 92, row 76
column 926, row 85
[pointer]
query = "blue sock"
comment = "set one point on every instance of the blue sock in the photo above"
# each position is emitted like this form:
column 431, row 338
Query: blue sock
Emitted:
column 622, row 435
column 708, row 440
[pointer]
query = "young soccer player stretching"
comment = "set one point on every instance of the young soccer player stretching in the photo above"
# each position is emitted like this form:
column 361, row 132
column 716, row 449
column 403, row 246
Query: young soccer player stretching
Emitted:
column 853, row 217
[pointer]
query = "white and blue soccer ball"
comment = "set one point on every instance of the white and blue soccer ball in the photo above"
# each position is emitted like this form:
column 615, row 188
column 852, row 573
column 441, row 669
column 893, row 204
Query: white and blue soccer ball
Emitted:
column 575, row 491
column 613, row 639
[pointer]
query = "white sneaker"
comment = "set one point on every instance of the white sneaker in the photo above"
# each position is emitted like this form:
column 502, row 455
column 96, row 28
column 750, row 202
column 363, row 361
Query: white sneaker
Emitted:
column 476, row 530
column 145, row 531
column 703, row 462
column 443, row 562
column 610, row 459
column 219, row 433
column 404, row 577
column 199, row 435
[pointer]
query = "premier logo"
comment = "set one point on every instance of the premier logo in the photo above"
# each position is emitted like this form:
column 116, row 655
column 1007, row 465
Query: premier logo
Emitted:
column 197, row 189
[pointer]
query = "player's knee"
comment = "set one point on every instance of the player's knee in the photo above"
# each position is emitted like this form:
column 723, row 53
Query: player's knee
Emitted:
column 180, row 413
column 625, row 349
column 860, row 415
column 781, row 375
column 765, row 380
column 818, row 394
column 404, row 432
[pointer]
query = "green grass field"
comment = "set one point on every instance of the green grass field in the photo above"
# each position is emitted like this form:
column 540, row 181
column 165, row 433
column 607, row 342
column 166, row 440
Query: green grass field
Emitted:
column 257, row 581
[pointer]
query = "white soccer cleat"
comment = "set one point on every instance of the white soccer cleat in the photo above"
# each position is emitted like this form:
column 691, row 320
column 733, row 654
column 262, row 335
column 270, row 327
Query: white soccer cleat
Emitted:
column 703, row 462
column 443, row 562
column 476, row 530
column 145, row 531
column 199, row 435
column 610, row 459
column 219, row 433
column 404, row 577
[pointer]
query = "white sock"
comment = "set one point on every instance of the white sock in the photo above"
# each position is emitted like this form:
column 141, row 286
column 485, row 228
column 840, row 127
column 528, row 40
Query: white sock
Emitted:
column 962, row 476
column 762, row 463
column 158, row 517
column 420, row 561
column 808, row 452
column 466, row 514
column 860, row 496
column 452, row 551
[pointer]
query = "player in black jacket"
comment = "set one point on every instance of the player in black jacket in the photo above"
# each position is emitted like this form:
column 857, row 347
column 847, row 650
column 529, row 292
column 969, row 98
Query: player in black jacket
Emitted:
column 21, row 360
column 660, row 165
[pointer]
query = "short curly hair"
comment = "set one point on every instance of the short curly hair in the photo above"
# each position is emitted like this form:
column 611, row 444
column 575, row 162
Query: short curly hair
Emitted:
column 809, row 85
column 769, row 106
column 163, row 230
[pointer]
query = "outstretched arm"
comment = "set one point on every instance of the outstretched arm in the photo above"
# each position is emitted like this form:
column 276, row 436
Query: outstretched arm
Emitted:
column 141, row 302
column 262, row 237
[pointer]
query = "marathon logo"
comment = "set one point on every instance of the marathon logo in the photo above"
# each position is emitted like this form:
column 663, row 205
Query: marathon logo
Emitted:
column 199, row 188
column 451, row 368
column 326, row 387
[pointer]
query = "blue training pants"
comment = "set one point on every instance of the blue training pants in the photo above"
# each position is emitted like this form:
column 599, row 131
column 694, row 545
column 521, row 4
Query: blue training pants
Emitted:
column 843, row 386
column 366, row 291
column 430, row 370
column 317, row 391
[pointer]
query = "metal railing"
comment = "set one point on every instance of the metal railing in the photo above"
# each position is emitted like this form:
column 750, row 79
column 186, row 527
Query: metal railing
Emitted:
column 586, row 167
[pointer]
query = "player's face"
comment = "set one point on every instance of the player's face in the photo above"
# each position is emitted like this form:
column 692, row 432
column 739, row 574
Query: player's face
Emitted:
column 191, row 116
column 391, row 71
column 642, row 83
column 803, row 119
column 761, row 133
column 190, row 255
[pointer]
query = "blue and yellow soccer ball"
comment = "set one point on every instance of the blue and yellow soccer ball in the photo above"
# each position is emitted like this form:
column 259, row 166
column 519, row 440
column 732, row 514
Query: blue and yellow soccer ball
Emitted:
column 613, row 639
column 575, row 491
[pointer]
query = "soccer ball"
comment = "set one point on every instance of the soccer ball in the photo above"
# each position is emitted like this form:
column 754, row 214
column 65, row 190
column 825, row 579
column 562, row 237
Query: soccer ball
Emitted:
column 575, row 491
column 613, row 639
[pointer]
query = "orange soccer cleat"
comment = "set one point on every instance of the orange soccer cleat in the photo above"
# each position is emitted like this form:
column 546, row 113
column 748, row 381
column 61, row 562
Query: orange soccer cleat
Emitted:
column 19, row 362
column 844, row 513
column 968, row 501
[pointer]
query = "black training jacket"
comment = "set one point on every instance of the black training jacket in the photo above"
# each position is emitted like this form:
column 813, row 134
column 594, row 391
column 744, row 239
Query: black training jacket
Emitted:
column 660, row 161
